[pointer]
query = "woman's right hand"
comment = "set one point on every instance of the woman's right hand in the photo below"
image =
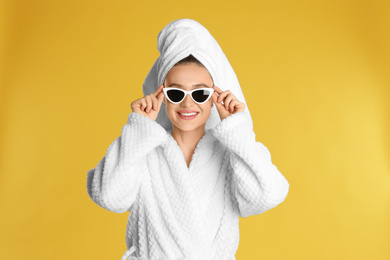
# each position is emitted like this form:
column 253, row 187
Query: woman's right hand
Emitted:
column 149, row 105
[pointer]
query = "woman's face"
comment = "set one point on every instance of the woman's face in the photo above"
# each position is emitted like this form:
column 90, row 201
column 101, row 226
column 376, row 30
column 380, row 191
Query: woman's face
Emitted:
column 187, row 77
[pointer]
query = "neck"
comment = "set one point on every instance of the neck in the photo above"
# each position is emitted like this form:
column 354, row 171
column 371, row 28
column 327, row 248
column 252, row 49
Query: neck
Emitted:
column 188, row 139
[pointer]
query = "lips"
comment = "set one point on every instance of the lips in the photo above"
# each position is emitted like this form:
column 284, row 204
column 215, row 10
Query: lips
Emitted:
column 187, row 111
column 187, row 117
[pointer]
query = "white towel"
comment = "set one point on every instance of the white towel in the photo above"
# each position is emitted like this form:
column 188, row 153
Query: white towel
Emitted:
column 178, row 40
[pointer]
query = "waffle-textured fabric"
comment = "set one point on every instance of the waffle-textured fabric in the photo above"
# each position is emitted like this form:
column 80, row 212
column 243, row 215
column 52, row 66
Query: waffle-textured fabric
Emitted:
column 179, row 212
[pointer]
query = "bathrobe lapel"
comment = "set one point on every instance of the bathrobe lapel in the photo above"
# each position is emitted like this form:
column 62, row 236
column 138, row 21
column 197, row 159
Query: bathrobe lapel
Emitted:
column 191, row 187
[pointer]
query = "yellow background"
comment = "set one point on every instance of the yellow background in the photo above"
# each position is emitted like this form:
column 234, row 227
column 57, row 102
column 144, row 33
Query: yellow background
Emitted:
column 316, row 78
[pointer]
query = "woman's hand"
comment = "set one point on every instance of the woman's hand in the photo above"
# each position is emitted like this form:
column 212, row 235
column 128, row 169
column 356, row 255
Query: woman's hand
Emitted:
column 149, row 105
column 230, row 105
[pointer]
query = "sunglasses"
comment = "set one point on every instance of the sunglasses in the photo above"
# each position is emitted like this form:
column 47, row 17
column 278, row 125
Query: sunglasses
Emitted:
column 177, row 95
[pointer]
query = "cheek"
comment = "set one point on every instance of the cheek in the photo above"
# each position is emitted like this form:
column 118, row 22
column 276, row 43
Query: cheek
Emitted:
column 171, row 109
column 206, row 108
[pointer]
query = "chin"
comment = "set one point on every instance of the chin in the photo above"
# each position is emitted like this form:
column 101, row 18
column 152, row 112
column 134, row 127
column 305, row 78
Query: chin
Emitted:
column 188, row 126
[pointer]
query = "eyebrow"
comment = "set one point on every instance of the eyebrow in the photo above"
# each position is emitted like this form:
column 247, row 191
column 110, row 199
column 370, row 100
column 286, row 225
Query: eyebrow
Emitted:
column 194, row 86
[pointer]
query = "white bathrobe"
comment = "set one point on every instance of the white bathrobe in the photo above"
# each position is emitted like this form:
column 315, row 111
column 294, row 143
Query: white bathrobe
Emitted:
column 179, row 212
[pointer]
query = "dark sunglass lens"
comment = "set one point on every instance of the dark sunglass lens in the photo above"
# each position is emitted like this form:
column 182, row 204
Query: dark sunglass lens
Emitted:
column 200, row 95
column 175, row 95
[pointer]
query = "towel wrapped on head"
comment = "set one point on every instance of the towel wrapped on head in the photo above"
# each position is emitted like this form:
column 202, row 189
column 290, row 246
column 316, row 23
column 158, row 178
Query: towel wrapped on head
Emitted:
column 180, row 39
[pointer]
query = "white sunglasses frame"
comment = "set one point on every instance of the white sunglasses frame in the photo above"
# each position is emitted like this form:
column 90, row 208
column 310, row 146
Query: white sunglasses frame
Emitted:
column 188, row 92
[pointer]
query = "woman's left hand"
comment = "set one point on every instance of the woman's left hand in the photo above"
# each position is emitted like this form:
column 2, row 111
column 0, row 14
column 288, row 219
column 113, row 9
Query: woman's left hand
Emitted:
column 230, row 105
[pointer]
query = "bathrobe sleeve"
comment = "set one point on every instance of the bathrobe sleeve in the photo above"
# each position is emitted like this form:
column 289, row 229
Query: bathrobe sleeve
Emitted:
column 256, row 183
column 114, row 183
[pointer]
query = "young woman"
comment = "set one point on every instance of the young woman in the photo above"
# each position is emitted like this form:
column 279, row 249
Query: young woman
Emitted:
column 187, row 164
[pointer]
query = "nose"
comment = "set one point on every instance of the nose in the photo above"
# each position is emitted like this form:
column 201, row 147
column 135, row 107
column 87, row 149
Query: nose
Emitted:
column 187, row 102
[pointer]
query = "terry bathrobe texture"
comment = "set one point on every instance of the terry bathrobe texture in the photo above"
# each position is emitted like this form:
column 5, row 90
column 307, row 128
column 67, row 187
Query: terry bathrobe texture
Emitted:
column 179, row 212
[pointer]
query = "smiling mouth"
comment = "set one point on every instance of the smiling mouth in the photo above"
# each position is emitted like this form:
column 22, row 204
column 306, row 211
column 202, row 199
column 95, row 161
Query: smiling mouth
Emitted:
column 188, row 116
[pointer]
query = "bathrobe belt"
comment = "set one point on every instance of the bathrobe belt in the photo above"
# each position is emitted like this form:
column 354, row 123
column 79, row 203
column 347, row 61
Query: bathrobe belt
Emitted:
column 129, row 252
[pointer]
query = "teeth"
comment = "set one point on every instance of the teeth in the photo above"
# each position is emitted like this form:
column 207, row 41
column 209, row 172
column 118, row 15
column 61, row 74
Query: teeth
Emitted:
column 188, row 114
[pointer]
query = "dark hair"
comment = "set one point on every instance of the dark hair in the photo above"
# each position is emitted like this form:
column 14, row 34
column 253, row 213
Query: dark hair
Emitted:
column 189, row 59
